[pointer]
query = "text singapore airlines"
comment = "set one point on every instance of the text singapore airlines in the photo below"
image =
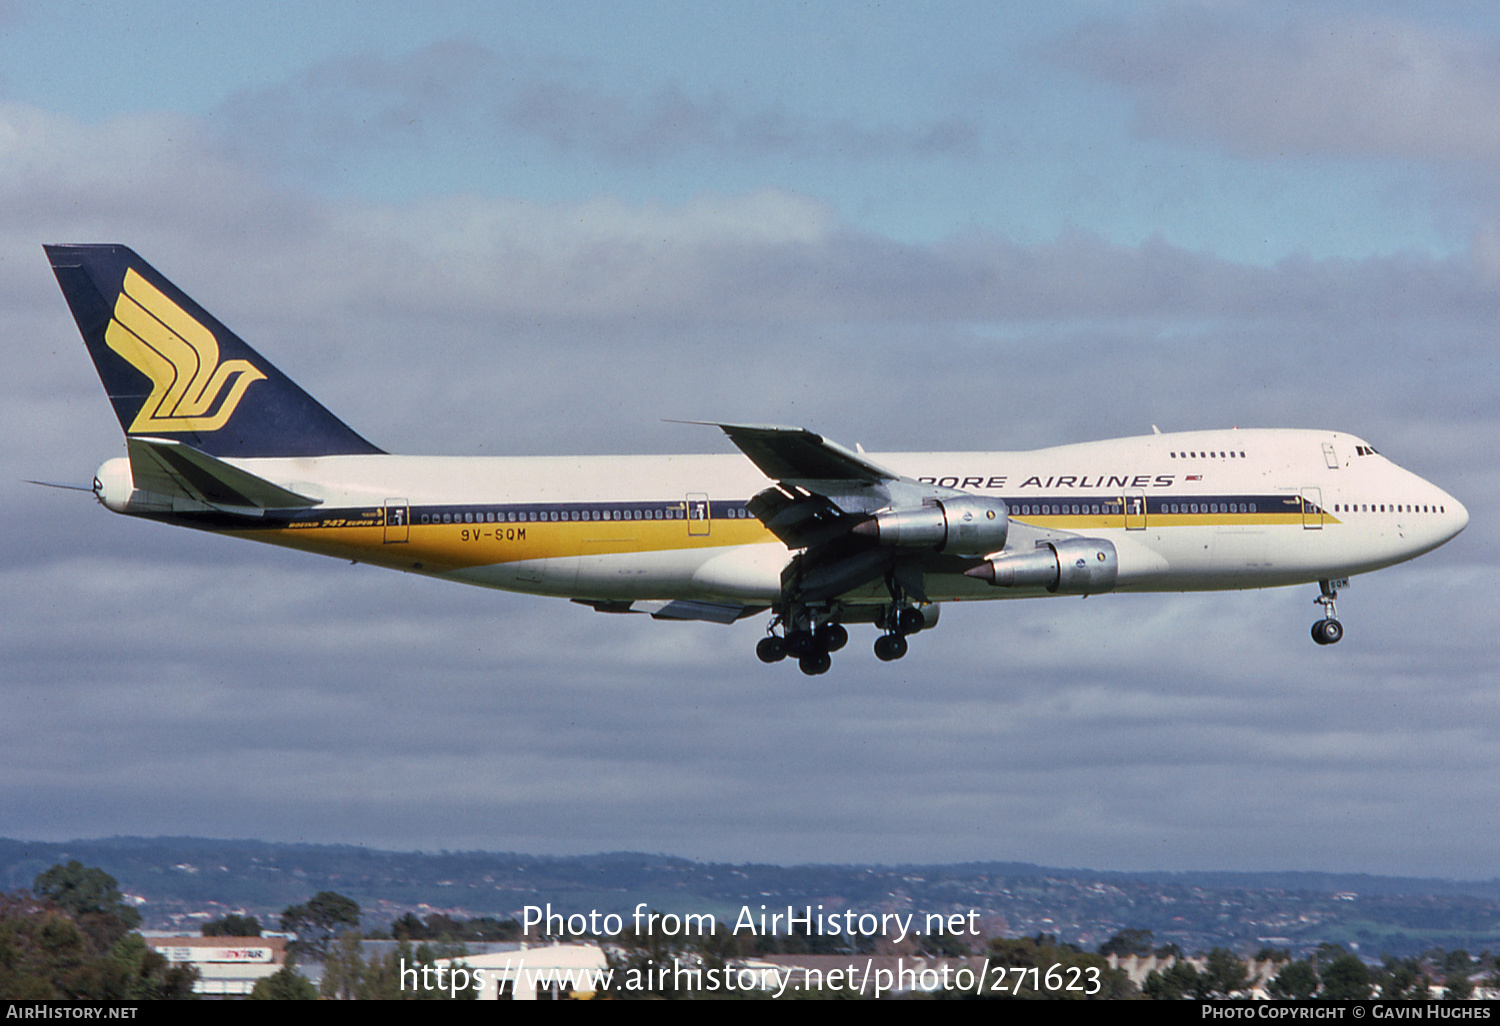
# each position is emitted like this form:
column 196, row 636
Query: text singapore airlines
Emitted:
column 820, row 536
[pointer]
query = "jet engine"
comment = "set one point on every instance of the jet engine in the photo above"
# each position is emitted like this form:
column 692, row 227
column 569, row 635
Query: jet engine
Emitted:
column 1076, row 566
column 962, row 524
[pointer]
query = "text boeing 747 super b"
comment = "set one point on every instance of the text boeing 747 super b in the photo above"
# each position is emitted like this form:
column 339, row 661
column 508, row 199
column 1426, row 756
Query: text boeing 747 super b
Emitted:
column 820, row 536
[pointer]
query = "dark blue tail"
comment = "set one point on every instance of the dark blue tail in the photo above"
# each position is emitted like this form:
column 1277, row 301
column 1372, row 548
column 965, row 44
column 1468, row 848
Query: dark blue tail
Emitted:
column 173, row 371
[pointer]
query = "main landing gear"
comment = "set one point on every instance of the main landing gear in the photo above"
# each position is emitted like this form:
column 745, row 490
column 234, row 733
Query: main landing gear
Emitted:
column 899, row 622
column 1328, row 631
column 812, row 643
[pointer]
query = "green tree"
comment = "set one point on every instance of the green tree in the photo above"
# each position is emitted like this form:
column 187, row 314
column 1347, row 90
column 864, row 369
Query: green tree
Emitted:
column 1345, row 978
column 1326, row 953
column 286, row 984
column 1297, row 981
column 45, row 954
column 1128, row 942
column 1457, row 986
column 232, row 925
column 344, row 970
column 325, row 916
column 488, row 928
column 381, row 978
column 1224, row 974
column 1400, row 980
column 1180, row 980
column 92, row 897
column 1457, row 969
column 146, row 975
column 409, row 927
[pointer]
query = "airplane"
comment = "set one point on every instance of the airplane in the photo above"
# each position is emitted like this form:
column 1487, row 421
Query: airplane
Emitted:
column 819, row 535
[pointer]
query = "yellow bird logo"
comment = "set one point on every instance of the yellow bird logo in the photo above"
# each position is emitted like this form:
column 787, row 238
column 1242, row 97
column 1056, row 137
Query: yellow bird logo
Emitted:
column 181, row 357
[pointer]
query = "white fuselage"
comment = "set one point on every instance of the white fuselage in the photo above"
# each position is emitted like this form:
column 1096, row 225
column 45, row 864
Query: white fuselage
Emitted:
column 1190, row 511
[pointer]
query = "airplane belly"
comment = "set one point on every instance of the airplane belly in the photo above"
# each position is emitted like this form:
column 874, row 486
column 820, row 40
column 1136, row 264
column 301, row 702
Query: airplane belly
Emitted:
column 1142, row 557
column 746, row 574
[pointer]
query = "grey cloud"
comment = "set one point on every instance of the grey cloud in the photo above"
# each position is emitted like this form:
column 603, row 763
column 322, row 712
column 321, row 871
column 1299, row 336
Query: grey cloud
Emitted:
column 1072, row 741
column 1319, row 85
column 668, row 120
column 164, row 681
column 459, row 87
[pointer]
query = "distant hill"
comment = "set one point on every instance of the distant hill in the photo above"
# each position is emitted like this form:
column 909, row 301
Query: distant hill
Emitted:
column 182, row 880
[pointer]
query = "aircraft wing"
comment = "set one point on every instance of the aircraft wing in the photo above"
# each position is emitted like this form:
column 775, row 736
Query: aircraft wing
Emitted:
column 823, row 492
column 791, row 453
column 822, row 489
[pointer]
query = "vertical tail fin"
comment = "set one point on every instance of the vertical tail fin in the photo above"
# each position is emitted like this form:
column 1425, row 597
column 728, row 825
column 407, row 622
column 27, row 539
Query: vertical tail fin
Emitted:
column 172, row 371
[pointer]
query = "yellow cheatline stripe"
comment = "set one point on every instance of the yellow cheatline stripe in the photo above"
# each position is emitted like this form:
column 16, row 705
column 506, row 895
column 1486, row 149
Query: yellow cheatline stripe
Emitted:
column 453, row 546
column 442, row 547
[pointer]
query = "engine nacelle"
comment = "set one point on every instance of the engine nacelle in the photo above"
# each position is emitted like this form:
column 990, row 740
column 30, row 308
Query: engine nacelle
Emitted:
column 962, row 524
column 1077, row 566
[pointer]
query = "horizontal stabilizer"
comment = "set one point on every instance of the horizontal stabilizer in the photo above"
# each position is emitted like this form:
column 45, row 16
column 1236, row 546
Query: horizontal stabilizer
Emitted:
column 169, row 468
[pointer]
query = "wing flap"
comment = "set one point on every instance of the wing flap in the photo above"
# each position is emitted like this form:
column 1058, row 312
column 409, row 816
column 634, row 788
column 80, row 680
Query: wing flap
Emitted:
column 800, row 518
column 676, row 609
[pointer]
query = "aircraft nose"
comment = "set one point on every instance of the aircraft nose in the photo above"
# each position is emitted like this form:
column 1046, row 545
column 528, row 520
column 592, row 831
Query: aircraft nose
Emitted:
column 1458, row 516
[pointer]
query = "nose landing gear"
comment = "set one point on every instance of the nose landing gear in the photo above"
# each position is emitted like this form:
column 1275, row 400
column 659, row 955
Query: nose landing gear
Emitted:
column 1328, row 631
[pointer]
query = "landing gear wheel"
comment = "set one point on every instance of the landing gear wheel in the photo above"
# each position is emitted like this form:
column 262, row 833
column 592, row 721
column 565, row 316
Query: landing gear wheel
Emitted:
column 832, row 636
column 909, row 620
column 1327, row 632
column 801, row 644
column 771, row 649
column 889, row 647
column 816, row 663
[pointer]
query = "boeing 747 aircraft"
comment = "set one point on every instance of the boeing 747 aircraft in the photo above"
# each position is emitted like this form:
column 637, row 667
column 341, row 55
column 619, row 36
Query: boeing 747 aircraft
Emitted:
column 820, row 536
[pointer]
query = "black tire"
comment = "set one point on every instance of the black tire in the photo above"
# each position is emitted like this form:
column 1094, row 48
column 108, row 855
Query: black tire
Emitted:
column 909, row 620
column 771, row 649
column 890, row 647
column 1327, row 632
column 801, row 643
column 814, row 664
column 832, row 637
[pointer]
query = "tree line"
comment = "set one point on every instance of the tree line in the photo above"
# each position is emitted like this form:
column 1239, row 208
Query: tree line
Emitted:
column 72, row 937
column 1329, row 972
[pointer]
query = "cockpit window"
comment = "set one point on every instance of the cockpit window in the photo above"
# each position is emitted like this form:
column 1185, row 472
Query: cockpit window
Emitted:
column 1366, row 450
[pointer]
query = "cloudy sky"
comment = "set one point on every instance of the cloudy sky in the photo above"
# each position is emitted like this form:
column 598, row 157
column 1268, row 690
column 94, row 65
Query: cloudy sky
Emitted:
column 545, row 229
